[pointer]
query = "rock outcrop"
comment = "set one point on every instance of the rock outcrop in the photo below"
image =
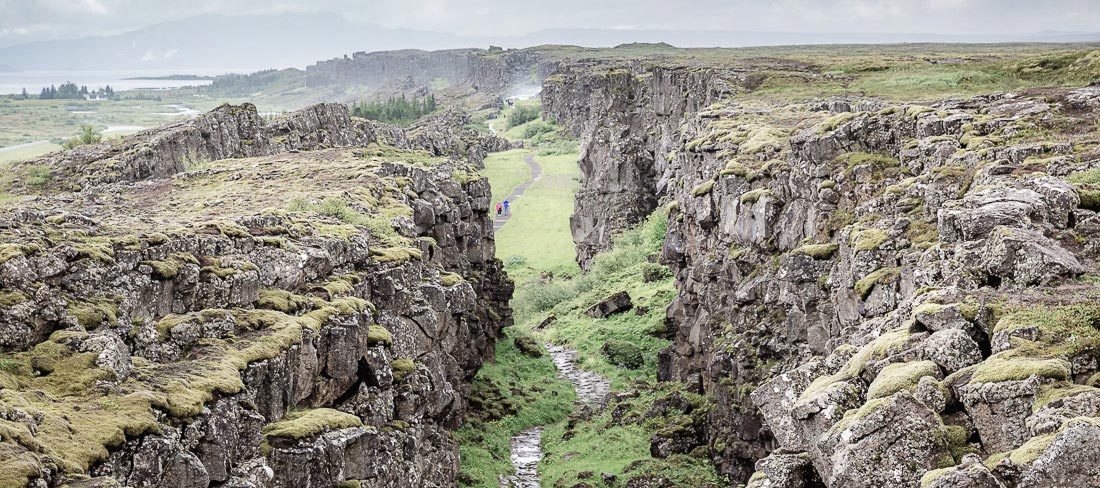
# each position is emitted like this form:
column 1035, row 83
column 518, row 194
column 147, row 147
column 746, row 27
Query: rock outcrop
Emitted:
column 870, row 293
column 303, row 310
column 233, row 131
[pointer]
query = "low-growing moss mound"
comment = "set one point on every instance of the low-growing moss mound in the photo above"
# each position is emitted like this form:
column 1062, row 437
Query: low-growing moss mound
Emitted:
column 309, row 423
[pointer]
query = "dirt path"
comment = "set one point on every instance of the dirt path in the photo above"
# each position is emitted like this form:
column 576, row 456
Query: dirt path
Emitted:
column 527, row 446
column 536, row 173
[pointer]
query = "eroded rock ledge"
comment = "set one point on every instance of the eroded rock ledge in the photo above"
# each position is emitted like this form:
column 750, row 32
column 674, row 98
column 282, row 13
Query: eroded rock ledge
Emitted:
column 292, row 316
column 871, row 293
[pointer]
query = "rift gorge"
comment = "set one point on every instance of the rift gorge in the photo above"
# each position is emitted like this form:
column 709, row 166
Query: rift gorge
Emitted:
column 789, row 267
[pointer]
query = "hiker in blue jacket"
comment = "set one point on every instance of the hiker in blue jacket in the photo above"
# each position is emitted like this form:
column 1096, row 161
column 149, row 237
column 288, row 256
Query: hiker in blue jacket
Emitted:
column 506, row 207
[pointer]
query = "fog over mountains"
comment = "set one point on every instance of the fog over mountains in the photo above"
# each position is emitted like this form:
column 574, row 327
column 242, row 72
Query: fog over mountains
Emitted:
column 297, row 40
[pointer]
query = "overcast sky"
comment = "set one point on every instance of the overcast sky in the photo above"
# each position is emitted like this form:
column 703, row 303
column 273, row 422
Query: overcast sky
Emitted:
column 31, row 20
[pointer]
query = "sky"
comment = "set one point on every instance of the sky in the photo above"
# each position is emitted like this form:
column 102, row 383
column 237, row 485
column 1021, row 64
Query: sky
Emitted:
column 36, row 20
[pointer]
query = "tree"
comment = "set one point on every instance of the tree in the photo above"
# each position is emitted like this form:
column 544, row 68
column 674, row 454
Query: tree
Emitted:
column 88, row 135
column 395, row 110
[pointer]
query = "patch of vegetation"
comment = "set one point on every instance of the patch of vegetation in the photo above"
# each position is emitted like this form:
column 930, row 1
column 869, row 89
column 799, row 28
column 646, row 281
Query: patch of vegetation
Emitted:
column 817, row 251
column 522, row 114
column 900, row 376
column 395, row 110
column 304, row 424
column 623, row 268
column 622, row 447
column 879, row 276
column 88, row 135
column 511, row 394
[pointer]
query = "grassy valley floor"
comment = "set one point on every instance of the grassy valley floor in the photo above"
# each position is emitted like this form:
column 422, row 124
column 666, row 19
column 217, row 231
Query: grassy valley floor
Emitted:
column 613, row 445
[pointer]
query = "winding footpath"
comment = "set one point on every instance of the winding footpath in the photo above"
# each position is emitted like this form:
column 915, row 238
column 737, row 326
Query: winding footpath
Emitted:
column 591, row 388
column 536, row 174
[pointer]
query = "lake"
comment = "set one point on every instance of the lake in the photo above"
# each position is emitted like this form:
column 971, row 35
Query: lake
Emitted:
column 34, row 81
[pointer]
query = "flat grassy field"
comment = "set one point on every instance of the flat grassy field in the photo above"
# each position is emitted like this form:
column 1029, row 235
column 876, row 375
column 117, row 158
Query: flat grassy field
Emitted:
column 23, row 121
column 506, row 170
column 537, row 238
column 29, row 151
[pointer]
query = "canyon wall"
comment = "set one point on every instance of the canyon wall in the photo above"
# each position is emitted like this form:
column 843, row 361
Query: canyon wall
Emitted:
column 302, row 309
column 869, row 293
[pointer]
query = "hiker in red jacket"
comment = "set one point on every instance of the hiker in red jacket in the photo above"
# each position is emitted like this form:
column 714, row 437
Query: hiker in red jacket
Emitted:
column 500, row 208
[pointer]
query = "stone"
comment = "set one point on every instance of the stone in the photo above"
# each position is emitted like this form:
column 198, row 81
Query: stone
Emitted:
column 890, row 442
column 615, row 303
column 1027, row 257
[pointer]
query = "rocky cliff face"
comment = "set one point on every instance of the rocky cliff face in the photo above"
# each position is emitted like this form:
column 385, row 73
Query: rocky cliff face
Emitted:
column 297, row 319
column 239, row 131
column 628, row 119
column 871, row 294
column 489, row 72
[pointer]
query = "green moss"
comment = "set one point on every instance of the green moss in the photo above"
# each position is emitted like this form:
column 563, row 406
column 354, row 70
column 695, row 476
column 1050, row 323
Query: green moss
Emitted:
column 703, row 188
column 856, row 414
column 228, row 229
column 376, row 334
column 11, row 298
column 1013, row 365
column 879, row 276
column 623, row 353
column 170, row 267
column 817, row 251
column 94, row 312
column 450, row 279
column 282, row 301
column 830, row 124
column 348, row 484
column 890, row 342
column 900, row 376
column 395, row 254
column 762, row 138
column 401, row 368
column 931, row 476
column 735, row 168
column 868, row 239
column 1026, row 453
column 309, row 423
column 753, row 196
column 1056, row 391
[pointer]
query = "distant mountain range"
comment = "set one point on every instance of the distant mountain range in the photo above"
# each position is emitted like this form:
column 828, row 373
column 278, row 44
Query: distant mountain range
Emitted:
column 279, row 41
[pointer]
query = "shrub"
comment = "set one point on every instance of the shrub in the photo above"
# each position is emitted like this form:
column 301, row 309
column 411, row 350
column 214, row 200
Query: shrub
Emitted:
column 654, row 272
column 528, row 346
column 88, row 135
column 623, row 353
column 522, row 115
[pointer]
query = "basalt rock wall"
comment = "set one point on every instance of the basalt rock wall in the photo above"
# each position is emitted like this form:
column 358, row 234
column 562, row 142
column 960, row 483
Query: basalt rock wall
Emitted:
column 870, row 293
column 204, row 329
column 239, row 131
column 485, row 71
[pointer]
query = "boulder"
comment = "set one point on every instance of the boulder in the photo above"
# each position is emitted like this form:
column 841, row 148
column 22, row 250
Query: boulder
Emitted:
column 780, row 470
column 1027, row 257
column 619, row 302
column 892, row 441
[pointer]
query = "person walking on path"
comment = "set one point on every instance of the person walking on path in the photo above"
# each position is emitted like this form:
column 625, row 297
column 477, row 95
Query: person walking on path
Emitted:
column 499, row 209
column 506, row 207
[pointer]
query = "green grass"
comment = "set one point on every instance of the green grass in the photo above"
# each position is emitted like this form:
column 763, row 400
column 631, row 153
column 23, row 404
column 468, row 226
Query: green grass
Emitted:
column 621, row 448
column 506, row 170
column 532, row 387
column 620, row 269
column 28, row 152
column 538, row 233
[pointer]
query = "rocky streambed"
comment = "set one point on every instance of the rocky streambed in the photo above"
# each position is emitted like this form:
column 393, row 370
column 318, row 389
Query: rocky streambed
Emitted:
column 591, row 388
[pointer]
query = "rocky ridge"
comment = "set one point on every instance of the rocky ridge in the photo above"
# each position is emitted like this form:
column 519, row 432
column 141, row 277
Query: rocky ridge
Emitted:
column 301, row 307
column 870, row 293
